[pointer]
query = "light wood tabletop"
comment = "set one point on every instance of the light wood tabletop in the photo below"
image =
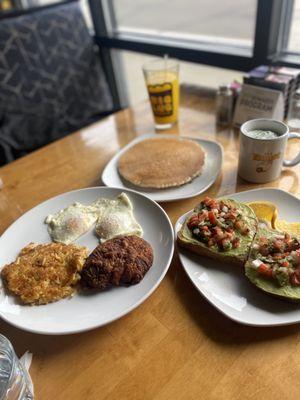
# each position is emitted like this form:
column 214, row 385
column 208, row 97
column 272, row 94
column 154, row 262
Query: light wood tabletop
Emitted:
column 175, row 345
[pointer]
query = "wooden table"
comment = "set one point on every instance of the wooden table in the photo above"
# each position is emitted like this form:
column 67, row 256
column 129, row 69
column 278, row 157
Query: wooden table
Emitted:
column 175, row 345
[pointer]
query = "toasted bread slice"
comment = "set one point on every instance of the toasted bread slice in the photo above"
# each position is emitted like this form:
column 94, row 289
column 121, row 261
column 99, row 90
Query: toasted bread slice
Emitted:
column 237, row 256
column 269, row 286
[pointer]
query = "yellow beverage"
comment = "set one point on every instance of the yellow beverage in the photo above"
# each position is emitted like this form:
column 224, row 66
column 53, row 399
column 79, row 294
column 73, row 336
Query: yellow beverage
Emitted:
column 164, row 97
column 163, row 90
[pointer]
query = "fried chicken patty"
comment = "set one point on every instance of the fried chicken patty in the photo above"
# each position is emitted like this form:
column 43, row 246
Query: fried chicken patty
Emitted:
column 43, row 273
column 121, row 260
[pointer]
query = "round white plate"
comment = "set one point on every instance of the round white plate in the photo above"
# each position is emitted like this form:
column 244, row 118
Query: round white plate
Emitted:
column 85, row 311
column 225, row 285
column 213, row 162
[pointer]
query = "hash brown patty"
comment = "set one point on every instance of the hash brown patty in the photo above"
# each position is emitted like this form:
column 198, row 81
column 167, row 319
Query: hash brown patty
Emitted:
column 121, row 260
column 43, row 273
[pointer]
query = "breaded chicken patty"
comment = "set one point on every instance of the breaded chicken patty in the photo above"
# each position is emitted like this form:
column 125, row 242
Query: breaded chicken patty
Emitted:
column 43, row 273
column 121, row 260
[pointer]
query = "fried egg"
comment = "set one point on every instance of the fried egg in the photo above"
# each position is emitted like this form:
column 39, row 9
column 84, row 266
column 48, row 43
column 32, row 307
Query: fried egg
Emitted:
column 115, row 217
column 70, row 223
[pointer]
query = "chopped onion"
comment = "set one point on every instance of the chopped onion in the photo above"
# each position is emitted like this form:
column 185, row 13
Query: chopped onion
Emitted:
column 256, row 246
column 256, row 263
column 225, row 209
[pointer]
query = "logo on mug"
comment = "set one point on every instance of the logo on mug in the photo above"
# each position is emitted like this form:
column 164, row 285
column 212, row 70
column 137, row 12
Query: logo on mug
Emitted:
column 265, row 160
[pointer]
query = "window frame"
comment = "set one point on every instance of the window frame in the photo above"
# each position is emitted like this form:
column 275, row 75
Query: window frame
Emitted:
column 273, row 19
column 268, row 47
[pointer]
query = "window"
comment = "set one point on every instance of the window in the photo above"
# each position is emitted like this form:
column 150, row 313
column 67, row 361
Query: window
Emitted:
column 230, row 21
column 294, row 36
column 236, row 35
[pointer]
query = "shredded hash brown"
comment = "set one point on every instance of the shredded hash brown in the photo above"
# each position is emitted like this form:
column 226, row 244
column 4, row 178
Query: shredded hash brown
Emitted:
column 43, row 273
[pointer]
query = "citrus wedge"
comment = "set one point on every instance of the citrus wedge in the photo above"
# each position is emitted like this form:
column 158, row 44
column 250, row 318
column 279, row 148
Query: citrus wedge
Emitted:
column 265, row 210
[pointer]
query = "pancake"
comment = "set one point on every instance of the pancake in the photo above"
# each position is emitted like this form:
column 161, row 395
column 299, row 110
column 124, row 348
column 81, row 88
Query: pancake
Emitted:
column 162, row 162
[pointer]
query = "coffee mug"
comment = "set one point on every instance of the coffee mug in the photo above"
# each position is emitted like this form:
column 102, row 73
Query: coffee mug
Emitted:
column 261, row 160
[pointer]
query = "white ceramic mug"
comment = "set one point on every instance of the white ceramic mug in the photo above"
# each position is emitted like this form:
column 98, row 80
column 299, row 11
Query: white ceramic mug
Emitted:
column 261, row 160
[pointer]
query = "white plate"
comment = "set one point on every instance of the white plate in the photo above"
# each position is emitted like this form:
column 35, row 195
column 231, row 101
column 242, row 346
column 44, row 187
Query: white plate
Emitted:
column 84, row 312
column 213, row 162
column 226, row 287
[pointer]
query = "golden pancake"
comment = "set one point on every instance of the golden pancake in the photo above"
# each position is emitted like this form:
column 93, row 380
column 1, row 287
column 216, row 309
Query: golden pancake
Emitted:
column 162, row 162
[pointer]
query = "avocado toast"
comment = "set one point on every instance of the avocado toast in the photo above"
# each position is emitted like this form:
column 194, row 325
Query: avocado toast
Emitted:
column 221, row 229
column 274, row 264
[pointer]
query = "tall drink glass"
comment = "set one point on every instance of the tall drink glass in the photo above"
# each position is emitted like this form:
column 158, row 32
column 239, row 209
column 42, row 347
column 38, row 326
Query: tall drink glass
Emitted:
column 162, row 82
column 14, row 380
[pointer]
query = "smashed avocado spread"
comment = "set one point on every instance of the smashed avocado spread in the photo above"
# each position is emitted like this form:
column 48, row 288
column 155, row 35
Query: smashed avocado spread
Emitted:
column 218, row 224
column 277, row 258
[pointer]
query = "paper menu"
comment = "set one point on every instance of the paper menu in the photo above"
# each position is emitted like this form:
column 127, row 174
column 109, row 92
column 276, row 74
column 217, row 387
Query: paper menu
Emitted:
column 258, row 102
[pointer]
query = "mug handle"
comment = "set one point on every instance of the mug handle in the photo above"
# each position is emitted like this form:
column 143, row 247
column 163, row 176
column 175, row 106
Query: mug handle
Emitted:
column 296, row 160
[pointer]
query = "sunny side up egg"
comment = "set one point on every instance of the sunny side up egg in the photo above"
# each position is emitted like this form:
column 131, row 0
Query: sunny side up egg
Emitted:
column 113, row 217
column 70, row 223
column 116, row 218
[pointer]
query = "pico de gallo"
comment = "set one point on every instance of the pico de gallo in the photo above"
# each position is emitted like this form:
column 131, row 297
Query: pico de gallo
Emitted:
column 278, row 259
column 217, row 223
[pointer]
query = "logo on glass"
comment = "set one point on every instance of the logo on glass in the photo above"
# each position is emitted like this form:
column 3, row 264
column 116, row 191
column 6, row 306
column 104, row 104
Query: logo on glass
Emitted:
column 161, row 99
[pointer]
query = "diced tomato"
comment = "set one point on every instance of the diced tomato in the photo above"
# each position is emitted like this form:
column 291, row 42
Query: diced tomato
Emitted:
column 202, row 216
column 229, row 235
column 264, row 250
column 235, row 243
column 212, row 203
column 212, row 218
column 285, row 264
column 229, row 230
column 204, row 228
column 217, row 230
column 295, row 281
column 219, row 234
column 262, row 240
column 239, row 225
column 231, row 215
column 265, row 270
column 193, row 222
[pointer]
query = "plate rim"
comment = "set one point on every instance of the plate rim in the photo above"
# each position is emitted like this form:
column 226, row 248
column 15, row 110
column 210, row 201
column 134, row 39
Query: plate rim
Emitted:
column 150, row 135
column 128, row 309
column 181, row 251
